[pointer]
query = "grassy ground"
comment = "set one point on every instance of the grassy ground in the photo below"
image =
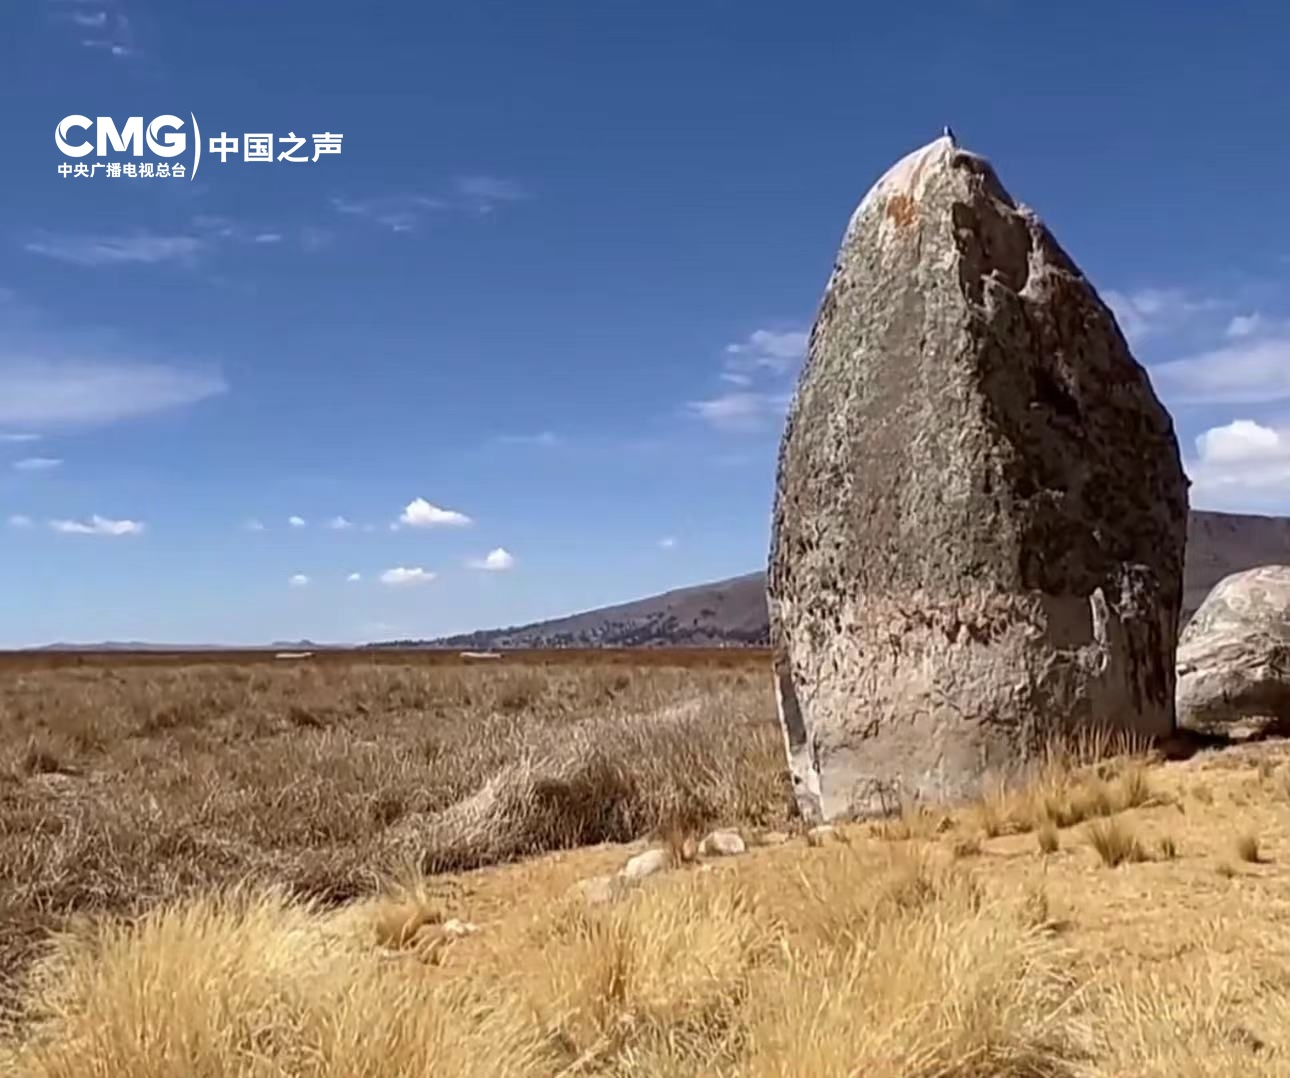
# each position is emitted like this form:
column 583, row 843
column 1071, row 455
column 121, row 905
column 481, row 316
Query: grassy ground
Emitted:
column 1117, row 918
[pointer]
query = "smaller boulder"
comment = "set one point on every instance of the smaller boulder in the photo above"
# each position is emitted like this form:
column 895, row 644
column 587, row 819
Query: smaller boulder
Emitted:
column 723, row 844
column 646, row 864
column 597, row 890
column 1234, row 658
column 770, row 838
column 823, row 835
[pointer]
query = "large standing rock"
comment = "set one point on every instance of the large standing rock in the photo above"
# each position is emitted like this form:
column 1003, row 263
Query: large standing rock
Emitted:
column 980, row 510
column 1234, row 657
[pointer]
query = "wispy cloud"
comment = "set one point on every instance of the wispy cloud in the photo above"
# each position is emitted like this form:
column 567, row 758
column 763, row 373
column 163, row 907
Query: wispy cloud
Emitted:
column 100, row 25
column 398, row 213
column 1153, row 312
column 406, row 212
column 542, row 440
column 98, row 525
column 761, row 368
column 37, row 464
column 419, row 513
column 1251, row 370
column 668, row 542
column 778, row 352
column 299, row 580
column 253, row 525
column 20, row 520
column 484, row 193
column 49, row 393
column 297, row 522
column 140, row 248
column 354, row 578
column 18, row 439
column 403, row 577
column 741, row 411
column 495, row 561
column 340, row 524
column 267, row 237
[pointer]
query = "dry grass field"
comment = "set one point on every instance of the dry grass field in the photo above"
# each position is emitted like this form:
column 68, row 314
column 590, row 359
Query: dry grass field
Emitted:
column 368, row 866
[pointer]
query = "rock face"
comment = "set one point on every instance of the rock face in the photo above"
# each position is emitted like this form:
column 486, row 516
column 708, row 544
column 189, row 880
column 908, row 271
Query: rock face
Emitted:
column 980, row 510
column 1234, row 657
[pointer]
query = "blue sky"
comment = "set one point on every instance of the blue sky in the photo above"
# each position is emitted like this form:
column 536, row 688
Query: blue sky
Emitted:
column 549, row 299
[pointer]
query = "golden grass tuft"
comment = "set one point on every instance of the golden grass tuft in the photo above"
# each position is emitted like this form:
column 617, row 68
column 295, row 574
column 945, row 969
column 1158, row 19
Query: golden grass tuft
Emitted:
column 1048, row 838
column 1115, row 842
column 1247, row 848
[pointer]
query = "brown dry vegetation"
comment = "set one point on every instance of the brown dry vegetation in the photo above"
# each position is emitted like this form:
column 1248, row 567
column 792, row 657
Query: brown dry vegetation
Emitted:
column 122, row 787
column 278, row 846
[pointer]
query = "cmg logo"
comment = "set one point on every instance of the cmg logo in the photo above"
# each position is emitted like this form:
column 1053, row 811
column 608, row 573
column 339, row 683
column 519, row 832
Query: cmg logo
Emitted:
column 165, row 136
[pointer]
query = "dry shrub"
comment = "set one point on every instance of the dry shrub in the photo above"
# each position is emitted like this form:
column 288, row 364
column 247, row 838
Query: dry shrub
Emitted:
column 610, row 780
column 913, row 974
column 1222, row 1009
column 1047, row 836
column 122, row 788
column 1085, row 776
column 1115, row 842
column 659, row 983
column 253, row 985
column 698, row 974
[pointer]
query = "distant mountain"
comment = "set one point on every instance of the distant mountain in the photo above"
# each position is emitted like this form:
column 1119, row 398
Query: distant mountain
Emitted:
column 733, row 612
column 138, row 646
column 727, row 612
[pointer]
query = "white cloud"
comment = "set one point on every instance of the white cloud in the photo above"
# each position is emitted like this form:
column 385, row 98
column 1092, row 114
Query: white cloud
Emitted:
column 254, row 525
column 1248, row 371
column 354, row 578
column 18, row 439
column 299, row 580
column 1240, row 440
column 667, row 542
column 268, row 237
column 1242, row 465
column 340, row 524
column 98, row 18
column 42, row 392
column 20, row 520
column 297, row 522
column 495, row 561
column 742, row 410
column 37, row 464
column 401, row 577
column 143, row 248
column 98, row 525
column 419, row 513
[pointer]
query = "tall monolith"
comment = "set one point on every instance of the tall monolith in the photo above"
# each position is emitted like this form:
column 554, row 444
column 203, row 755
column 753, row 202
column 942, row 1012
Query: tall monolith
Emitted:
column 980, row 510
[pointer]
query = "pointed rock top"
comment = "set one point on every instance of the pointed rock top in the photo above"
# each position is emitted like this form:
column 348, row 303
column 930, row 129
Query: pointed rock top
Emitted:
column 904, row 185
column 908, row 175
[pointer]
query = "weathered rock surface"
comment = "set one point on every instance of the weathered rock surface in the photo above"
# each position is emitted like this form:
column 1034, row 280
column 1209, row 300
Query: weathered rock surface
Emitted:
column 722, row 844
column 1234, row 657
column 646, row 864
column 980, row 509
